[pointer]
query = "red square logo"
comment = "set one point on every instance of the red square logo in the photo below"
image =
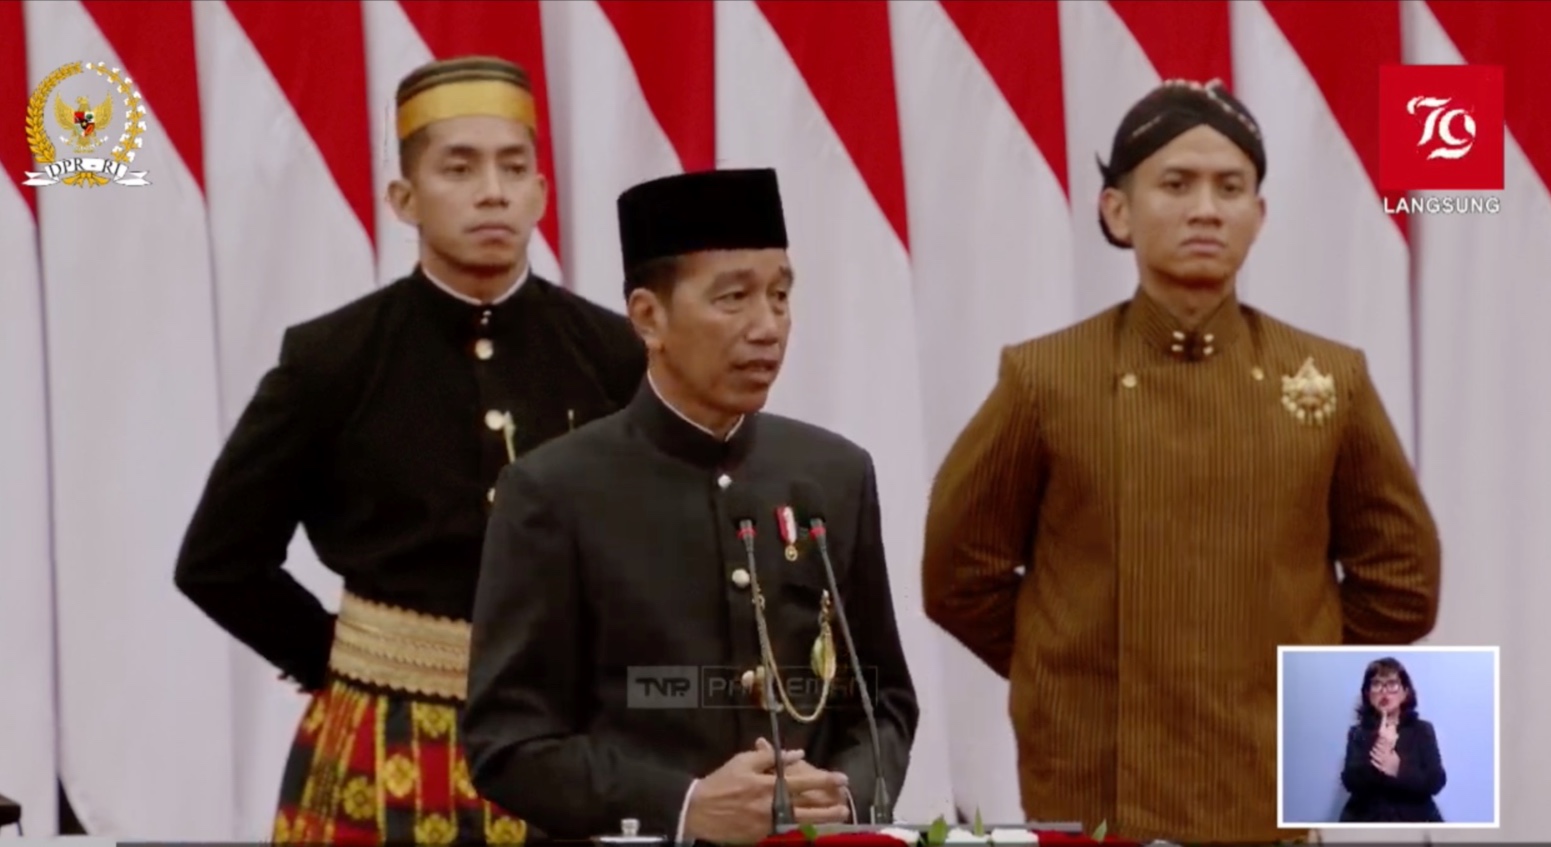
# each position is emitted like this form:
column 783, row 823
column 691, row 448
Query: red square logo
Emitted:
column 1440, row 128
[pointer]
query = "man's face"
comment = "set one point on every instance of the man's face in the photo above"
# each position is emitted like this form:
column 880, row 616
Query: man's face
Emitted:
column 1191, row 210
column 722, row 330
column 474, row 192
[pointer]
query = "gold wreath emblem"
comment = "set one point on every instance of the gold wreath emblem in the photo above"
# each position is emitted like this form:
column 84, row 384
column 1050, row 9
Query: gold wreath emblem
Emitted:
column 1309, row 395
column 42, row 146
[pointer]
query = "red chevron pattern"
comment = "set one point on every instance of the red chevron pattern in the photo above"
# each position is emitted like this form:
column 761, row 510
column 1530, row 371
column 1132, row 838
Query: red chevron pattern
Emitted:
column 1343, row 48
column 1020, row 46
column 672, row 46
column 1187, row 39
column 844, row 53
column 156, row 40
column 321, row 67
column 15, row 89
column 1508, row 33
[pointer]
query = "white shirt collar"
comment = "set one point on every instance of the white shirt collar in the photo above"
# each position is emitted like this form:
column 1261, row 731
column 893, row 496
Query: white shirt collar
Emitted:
column 470, row 300
column 685, row 418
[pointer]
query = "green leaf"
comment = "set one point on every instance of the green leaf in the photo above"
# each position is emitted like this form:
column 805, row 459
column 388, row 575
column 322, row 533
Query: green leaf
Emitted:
column 1098, row 834
column 980, row 826
column 937, row 834
column 809, row 831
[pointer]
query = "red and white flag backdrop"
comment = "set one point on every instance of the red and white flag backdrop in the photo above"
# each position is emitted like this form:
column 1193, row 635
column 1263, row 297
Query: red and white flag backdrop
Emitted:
column 937, row 159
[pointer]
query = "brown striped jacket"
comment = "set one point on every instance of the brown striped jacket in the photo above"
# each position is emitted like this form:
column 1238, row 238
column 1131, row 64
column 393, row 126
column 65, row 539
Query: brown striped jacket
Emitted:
column 1177, row 521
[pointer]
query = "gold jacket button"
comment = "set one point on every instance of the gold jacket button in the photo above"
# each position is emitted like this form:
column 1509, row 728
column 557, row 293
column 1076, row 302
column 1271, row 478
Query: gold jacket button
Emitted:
column 1129, row 380
column 490, row 495
column 484, row 348
column 740, row 578
column 495, row 420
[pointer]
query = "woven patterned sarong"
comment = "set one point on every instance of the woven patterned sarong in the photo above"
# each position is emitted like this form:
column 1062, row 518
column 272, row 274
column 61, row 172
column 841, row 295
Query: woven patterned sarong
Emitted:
column 371, row 768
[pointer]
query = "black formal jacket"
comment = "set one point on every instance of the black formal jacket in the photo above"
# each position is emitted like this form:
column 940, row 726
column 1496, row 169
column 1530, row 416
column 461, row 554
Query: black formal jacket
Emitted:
column 612, row 549
column 372, row 434
column 1406, row 797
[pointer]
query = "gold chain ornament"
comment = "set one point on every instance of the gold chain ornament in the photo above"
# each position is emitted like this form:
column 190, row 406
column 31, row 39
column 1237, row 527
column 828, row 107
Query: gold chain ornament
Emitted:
column 821, row 658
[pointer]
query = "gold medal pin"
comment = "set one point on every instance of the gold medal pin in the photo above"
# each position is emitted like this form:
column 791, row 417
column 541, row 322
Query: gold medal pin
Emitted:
column 787, row 520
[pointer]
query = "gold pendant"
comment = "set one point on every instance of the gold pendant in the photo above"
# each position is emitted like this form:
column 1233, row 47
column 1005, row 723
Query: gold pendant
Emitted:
column 823, row 659
column 791, row 552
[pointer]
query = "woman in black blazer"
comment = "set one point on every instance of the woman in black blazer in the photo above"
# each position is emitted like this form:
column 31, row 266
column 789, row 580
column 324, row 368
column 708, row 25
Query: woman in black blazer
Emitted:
column 1393, row 768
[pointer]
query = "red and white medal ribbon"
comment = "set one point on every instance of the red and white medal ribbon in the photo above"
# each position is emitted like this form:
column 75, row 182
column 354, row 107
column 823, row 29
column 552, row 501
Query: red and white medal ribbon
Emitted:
column 786, row 519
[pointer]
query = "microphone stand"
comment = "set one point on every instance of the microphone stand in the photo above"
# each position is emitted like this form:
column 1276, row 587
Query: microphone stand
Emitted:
column 782, row 816
column 882, row 810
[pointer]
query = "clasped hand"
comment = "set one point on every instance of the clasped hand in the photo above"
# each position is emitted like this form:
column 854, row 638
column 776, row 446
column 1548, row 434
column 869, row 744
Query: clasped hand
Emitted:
column 1383, row 755
column 733, row 804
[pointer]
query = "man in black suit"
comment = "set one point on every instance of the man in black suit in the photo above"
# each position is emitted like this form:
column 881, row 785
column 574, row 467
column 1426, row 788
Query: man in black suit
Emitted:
column 615, row 549
column 381, row 431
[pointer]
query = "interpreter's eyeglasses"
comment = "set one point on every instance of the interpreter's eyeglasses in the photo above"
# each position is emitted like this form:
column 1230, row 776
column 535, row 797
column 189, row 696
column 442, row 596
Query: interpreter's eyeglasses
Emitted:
column 1388, row 686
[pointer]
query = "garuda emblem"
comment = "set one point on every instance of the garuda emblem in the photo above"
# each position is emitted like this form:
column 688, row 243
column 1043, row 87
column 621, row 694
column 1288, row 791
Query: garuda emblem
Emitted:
column 83, row 122
column 1309, row 395
column 73, row 159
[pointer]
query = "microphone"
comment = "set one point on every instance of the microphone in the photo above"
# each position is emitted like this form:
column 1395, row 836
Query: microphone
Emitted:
column 808, row 502
column 741, row 507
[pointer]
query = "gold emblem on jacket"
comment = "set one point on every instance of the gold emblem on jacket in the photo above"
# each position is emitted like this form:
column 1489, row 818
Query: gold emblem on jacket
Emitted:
column 1310, row 395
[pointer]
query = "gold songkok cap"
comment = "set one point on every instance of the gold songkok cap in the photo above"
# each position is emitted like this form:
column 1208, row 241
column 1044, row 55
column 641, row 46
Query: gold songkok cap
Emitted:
column 468, row 85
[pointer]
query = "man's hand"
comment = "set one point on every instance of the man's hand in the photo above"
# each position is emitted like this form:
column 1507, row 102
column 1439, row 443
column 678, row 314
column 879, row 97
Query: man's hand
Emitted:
column 733, row 804
column 822, row 799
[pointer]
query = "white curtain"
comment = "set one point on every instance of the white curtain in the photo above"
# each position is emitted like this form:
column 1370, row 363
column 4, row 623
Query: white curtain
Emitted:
column 27, row 724
column 937, row 160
